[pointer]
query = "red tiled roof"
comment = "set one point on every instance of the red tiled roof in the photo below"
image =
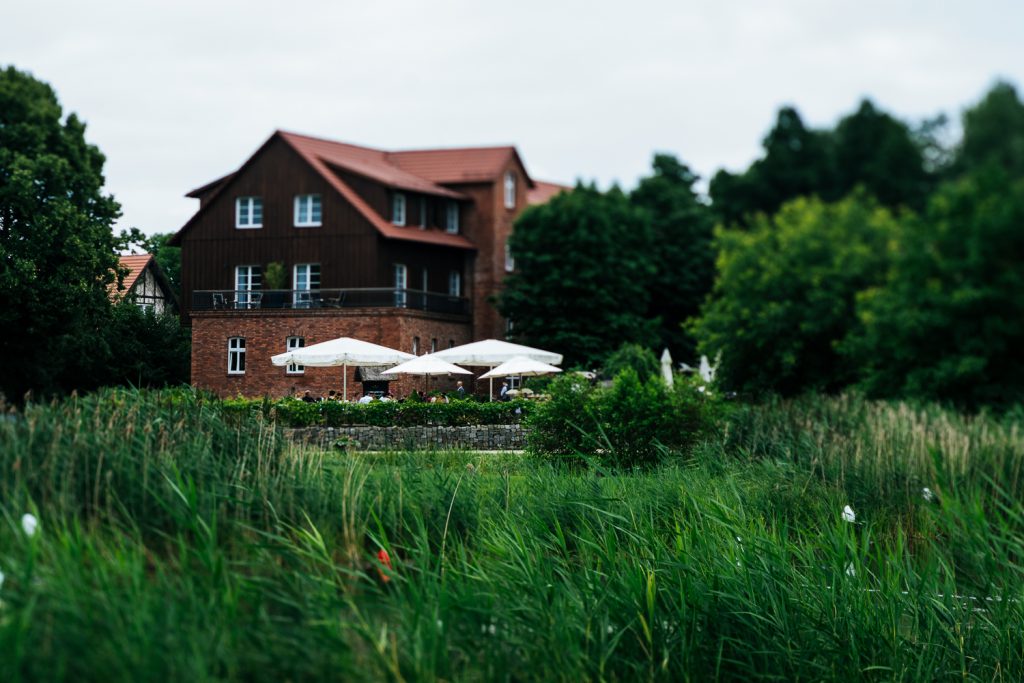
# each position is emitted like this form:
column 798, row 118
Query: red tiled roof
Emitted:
column 135, row 264
column 543, row 191
column 311, row 153
column 368, row 162
column 461, row 165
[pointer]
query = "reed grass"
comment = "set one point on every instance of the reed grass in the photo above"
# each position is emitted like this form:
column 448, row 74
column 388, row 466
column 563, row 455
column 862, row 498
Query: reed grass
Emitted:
column 176, row 545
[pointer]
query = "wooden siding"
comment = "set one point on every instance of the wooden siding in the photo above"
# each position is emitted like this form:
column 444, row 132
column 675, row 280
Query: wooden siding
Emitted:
column 345, row 245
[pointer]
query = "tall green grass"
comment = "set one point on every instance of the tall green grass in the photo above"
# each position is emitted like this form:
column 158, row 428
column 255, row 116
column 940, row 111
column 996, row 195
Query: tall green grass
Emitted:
column 173, row 545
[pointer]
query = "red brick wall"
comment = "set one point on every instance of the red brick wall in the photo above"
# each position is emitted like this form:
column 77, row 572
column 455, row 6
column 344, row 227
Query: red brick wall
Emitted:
column 265, row 333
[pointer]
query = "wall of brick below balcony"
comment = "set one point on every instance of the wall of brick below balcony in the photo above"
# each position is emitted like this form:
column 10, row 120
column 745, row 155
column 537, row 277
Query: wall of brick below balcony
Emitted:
column 476, row 437
column 265, row 333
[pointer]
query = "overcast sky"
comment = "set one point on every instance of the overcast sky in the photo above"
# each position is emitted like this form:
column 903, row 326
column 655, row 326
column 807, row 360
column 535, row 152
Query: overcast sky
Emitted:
column 176, row 94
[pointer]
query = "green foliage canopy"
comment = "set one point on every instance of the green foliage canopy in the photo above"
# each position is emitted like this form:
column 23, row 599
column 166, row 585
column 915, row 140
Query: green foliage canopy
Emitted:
column 583, row 268
column 948, row 323
column 682, row 228
column 56, row 246
column 786, row 290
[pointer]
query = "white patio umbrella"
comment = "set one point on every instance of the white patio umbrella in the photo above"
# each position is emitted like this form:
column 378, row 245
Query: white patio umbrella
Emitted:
column 493, row 352
column 343, row 351
column 427, row 365
column 521, row 366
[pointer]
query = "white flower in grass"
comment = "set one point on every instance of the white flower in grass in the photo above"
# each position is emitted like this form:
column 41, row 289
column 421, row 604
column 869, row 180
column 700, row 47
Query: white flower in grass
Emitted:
column 492, row 629
column 610, row 629
column 1, row 579
column 29, row 523
column 440, row 625
column 849, row 515
column 850, row 571
column 927, row 494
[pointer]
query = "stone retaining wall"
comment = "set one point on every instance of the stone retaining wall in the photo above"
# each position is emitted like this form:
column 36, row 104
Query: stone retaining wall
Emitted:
column 475, row 437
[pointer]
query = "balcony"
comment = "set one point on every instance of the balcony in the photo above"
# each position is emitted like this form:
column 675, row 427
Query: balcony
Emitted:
column 296, row 299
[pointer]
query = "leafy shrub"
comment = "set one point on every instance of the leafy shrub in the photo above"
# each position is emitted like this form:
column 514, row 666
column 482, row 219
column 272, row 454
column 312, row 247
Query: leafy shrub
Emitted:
column 631, row 424
column 641, row 359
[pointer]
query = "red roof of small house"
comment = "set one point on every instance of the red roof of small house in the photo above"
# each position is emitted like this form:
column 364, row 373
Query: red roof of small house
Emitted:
column 543, row 191
column 135, row 264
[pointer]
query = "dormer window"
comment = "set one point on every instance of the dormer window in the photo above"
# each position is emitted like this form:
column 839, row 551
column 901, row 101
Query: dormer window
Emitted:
column 249, row 212
column 451, row 217
column 510, row 190
column 398, row 209
column 307, row 210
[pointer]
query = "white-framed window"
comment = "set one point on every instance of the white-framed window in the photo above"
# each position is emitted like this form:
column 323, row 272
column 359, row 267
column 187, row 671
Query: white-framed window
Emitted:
column 398, row 208
column 423, row 212
column 248, row 279
column 401, row 280
column 290, row 344
column 455, row 283
column 236, row 356
column 307, row 210
column 510, row 261
column 510, row 190
column 305, row 281
column 433, row 345
column 451, row 217
column 248, row 212
column 415, row 346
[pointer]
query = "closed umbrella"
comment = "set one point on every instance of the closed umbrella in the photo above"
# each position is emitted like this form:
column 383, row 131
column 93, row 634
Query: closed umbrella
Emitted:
column 494, row 352
column 427, row 365
column 666, row 368
column 343, row 351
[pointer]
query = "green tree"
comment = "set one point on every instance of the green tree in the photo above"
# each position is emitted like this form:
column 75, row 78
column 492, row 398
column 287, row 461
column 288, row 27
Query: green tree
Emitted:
column 875, row 151
column 785, row 294
column 684, row 260
column 56, row 246
column 583, row 268
column 797, row 162
column 145, row 349
column 948, row 323
column 993, row 133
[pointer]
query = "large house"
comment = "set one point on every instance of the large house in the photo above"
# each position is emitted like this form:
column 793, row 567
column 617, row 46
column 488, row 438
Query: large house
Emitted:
column 313, row 239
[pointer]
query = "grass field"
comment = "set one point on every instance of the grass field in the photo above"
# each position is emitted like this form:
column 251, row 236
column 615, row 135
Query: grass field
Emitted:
column 174, row 545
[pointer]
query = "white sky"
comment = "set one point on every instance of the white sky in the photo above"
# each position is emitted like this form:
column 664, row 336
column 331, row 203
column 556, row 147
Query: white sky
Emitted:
column 176, row 94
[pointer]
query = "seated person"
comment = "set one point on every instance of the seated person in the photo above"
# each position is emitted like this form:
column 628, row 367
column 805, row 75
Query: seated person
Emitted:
column 308, row 397
column 367, row 398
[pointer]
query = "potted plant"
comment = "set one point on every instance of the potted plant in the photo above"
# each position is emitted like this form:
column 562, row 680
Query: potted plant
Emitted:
column 274, row 280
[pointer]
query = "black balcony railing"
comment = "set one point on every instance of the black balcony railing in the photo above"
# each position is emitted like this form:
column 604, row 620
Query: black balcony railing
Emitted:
column 247, row 300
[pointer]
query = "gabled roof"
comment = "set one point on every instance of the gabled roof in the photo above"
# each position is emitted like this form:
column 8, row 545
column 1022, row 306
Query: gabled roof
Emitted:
column 543, row 191
column 323, row 155
column 371, row 163
column 134, row 264
column 458, row 165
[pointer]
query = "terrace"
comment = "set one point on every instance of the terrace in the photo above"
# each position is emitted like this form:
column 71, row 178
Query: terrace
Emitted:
column 299, row 299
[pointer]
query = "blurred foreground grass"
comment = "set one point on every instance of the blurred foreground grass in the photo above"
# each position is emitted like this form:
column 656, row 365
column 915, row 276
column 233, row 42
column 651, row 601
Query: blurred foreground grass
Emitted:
column 174, row 545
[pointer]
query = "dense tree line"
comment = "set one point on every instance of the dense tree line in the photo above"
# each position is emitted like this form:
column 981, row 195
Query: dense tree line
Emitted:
column 873, row 254
column 58, row 259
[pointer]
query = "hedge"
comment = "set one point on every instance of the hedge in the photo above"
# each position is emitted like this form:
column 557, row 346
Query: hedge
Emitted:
column 294, row 413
